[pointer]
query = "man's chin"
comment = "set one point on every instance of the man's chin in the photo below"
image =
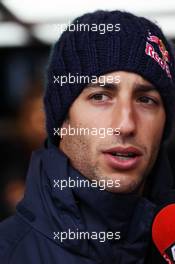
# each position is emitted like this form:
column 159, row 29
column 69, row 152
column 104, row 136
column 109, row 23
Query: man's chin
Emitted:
column 124, row 183
column 125, row 190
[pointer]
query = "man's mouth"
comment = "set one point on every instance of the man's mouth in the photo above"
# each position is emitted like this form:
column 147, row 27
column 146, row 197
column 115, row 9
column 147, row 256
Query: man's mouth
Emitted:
column 123, row 158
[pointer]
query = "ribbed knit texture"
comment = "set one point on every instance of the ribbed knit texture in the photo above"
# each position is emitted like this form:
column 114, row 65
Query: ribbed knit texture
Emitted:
column 91, row 53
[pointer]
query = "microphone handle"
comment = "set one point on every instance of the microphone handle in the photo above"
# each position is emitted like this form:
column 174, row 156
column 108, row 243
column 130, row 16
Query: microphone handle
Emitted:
column 168, row 260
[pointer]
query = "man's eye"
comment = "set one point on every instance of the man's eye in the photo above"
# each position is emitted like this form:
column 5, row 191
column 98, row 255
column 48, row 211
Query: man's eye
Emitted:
column 99, row 97
column 147, row 100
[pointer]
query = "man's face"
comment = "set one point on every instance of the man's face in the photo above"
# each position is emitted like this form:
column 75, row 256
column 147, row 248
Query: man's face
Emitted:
column 134, row 106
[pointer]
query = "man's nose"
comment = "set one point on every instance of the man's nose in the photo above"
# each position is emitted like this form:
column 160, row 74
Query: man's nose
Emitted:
column 125, row 119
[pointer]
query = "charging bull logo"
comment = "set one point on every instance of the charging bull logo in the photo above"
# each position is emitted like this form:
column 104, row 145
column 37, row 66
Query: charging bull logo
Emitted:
column 164, row 59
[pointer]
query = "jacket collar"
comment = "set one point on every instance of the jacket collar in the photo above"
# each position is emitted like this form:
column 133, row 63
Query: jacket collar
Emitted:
column 49, row 209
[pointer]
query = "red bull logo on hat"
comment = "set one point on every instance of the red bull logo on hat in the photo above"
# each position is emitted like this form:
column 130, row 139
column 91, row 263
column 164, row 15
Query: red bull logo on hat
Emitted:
column 164, row 59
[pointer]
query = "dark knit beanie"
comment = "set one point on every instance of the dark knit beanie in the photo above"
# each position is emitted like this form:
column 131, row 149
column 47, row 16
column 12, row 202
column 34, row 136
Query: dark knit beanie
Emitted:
column 129, row 43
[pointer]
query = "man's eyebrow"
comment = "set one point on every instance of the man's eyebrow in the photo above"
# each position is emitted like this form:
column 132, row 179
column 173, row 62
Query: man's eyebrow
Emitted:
column 104, row 85
column 114, row 86
column 145, row 88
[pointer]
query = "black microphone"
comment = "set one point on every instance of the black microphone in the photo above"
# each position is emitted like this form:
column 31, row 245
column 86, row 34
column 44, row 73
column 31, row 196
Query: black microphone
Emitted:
column 163, row 232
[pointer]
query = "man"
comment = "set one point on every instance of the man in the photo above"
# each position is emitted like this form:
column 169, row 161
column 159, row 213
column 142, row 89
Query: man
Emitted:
column 94, row 189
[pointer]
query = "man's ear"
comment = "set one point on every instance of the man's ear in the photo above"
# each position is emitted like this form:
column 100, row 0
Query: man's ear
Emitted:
column 65, row 124
column 66, row 121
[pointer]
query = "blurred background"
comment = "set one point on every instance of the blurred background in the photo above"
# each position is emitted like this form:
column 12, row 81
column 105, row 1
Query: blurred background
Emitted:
column 28, row 28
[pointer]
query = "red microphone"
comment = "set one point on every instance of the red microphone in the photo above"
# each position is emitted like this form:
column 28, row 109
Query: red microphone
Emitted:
column 163, row 232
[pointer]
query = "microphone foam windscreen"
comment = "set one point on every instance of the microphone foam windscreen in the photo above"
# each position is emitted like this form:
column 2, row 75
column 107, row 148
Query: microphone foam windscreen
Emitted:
column 163, row 228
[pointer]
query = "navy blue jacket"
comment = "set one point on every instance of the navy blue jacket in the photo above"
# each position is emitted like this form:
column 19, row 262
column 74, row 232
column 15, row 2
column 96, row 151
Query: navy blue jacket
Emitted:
column 32, row 235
